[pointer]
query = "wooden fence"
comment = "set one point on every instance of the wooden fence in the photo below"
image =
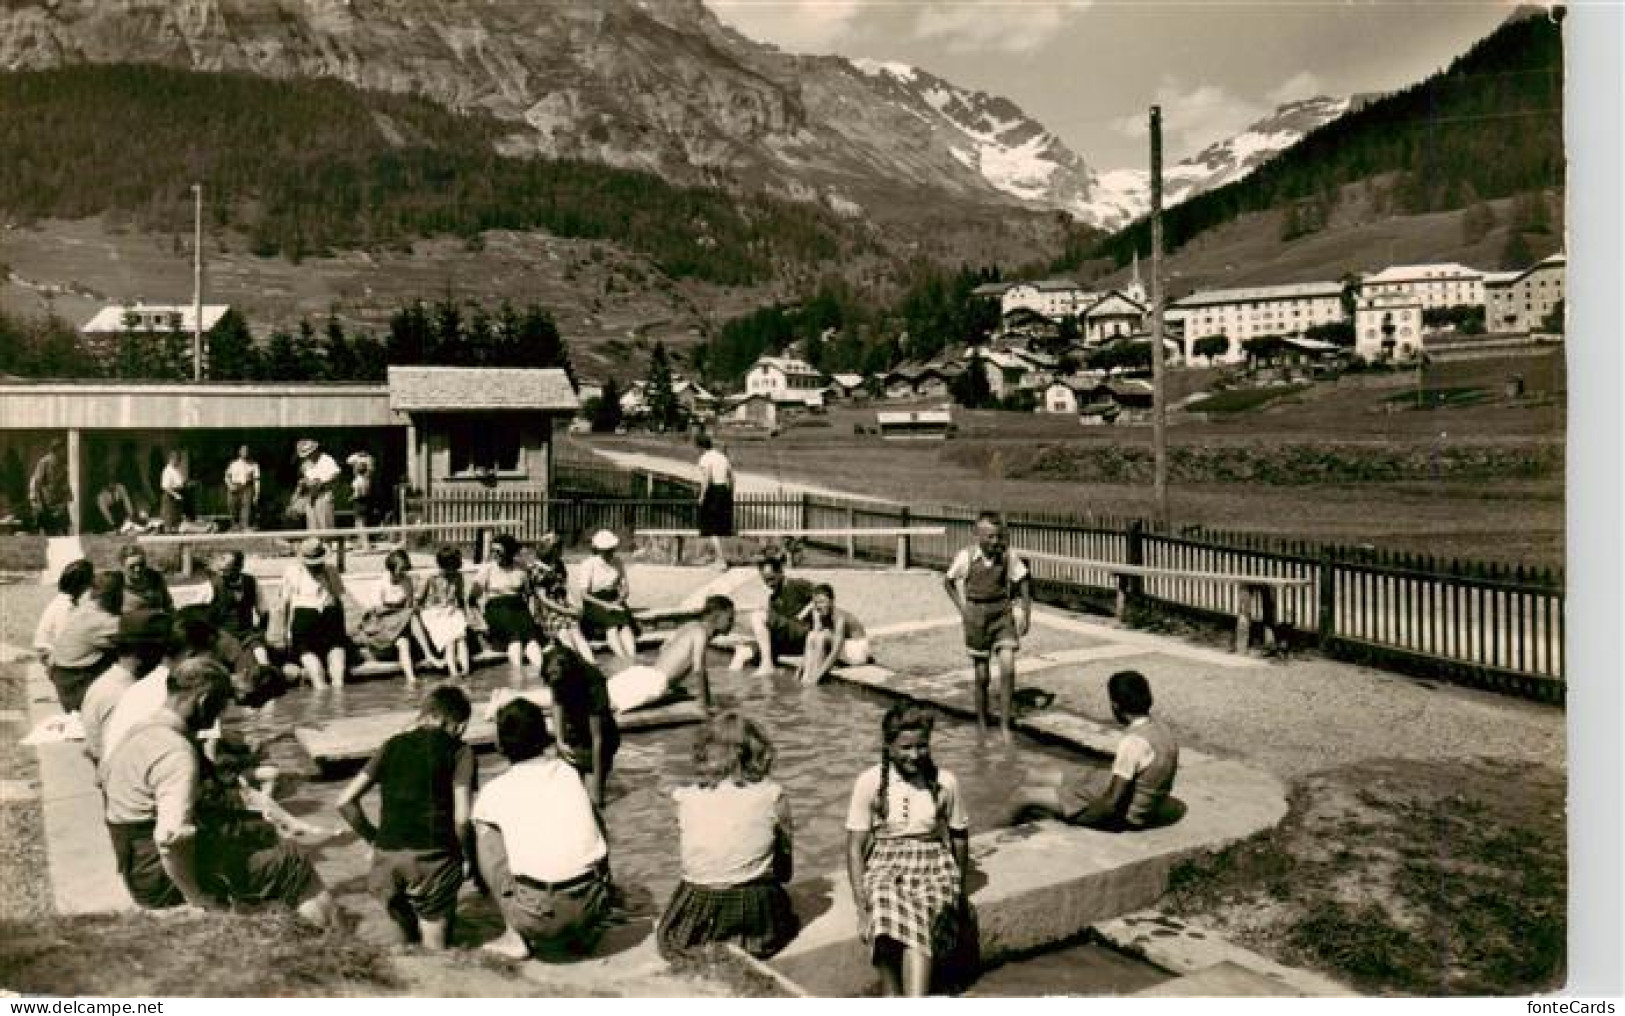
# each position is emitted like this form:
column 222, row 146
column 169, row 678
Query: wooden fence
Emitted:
column 1494, row 626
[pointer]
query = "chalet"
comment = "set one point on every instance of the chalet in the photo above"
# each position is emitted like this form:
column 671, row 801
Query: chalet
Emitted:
column 751, row 410
column 695, row 399
column 480, row 426
column 1119, row 398
column 1024, row 322
column 785, row 378
column 845, row 386
column 1066, row 396
column 1520, row 301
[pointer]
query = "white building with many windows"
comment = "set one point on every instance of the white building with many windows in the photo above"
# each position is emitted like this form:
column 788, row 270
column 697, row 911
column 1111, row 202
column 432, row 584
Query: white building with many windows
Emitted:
column 1053, row 298
column 1388, row 326
column 1439, row 285
column 786, row 379
column 1520, row 301
column 1242, row 314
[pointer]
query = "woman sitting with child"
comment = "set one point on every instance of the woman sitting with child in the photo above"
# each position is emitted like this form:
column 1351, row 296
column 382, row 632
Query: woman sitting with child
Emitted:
column 734, row 829
column 502, row 589
column 389, row 624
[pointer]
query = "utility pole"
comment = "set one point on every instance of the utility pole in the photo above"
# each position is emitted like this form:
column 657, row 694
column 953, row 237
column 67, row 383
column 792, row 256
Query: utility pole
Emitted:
column 197, row 282
column 1159, row 394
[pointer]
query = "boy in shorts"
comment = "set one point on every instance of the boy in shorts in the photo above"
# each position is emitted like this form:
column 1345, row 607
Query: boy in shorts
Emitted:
column 993, row 591
column 425, row 779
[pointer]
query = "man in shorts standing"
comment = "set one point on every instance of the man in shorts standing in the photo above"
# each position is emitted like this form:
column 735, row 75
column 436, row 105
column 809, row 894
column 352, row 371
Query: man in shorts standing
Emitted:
column 993, row 591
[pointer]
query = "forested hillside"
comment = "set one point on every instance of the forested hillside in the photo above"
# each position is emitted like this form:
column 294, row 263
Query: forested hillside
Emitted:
column 307, row 166
column 1490, row 126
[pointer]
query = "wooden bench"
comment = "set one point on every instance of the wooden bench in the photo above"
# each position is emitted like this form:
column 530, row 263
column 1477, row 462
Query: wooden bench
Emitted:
column 901, row 533
column 1252, row 591
column 186, row 541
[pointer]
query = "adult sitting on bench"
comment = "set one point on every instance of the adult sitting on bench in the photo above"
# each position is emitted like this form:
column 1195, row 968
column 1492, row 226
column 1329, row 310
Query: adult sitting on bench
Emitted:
column 1129, row 795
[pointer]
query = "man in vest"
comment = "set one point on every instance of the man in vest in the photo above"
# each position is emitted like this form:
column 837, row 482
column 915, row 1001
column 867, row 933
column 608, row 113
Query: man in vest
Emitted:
column 993, row 592
column 1128, row 796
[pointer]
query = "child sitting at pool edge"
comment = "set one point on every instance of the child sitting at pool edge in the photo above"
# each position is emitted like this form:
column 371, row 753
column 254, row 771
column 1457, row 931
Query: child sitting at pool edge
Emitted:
column 834, row 636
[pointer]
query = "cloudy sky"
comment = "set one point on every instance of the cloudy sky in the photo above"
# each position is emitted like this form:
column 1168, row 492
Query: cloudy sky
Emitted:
column 1091, row 69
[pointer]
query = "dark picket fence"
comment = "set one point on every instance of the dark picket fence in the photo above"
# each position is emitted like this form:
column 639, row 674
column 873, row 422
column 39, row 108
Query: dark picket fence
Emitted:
column 1494, row 626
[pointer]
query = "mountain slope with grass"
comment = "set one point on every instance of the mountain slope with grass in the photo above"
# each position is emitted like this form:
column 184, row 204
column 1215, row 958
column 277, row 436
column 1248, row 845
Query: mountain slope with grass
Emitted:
column 1488, row 128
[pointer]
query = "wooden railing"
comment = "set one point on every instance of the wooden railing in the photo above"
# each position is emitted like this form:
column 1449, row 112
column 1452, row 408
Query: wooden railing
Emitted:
column 1493, row 626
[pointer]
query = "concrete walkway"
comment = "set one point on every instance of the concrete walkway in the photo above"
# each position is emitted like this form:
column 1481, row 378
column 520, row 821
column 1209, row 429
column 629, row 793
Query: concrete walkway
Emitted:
column 744, row 482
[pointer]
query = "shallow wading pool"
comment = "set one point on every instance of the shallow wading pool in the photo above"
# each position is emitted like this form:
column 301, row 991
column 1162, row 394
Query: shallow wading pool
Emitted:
column 824, row 737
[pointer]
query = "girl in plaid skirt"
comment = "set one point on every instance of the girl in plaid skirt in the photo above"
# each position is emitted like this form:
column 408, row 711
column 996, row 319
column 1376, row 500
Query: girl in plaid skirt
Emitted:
column 734, row 839
column 907, row 836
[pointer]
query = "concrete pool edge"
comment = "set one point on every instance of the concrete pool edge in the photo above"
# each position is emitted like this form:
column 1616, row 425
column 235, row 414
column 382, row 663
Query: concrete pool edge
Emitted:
column 1046, row 883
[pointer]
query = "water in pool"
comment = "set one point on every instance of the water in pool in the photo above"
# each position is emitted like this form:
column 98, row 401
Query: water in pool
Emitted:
column 824, row 737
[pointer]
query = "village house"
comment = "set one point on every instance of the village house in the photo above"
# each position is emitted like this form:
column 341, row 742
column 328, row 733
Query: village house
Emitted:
column 1520, row 301
column 1387, row 326
column 750, row 411
column 1117, row 315
column 154, row 320
column 1432, row 286
column 1242, row 314
column 785, row 379
column 1068, row 395
column 845, row 386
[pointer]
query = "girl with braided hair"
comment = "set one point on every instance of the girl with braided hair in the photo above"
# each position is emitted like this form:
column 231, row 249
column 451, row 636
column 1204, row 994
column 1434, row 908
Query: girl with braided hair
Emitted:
column 906, row 844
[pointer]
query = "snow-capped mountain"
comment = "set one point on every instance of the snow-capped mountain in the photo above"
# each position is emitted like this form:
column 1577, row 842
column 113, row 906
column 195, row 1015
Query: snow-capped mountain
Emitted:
column 991, row 136
column 1127, row 192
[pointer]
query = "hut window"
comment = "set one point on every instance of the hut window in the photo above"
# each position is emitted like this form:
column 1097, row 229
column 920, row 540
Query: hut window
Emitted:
column 479, row 446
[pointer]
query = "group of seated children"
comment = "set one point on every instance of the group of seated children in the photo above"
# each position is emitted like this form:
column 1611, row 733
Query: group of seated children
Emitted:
column 513, row 602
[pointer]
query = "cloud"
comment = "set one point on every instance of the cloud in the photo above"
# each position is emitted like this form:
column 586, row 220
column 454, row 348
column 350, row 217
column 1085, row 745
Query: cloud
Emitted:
column 801, row 26
column 1303, row 85
column 1004, row 26
column 1193, row 117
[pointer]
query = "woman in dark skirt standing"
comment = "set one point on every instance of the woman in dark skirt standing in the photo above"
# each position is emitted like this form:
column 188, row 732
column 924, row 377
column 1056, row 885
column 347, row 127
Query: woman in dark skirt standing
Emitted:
column 734, row 829
column 502, row 589
column 716, row 497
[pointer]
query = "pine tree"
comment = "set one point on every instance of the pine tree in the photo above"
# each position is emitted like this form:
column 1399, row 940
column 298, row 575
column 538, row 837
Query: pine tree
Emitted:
column 606, row 413
column 665, row 413
column 410, row 335
column 338, row 352
column 281, row 361
column 971, row 389
column 232, row 354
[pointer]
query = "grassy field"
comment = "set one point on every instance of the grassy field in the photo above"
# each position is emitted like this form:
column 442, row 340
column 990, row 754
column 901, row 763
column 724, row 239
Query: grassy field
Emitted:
column 1402, row 878
column 1483, row 480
